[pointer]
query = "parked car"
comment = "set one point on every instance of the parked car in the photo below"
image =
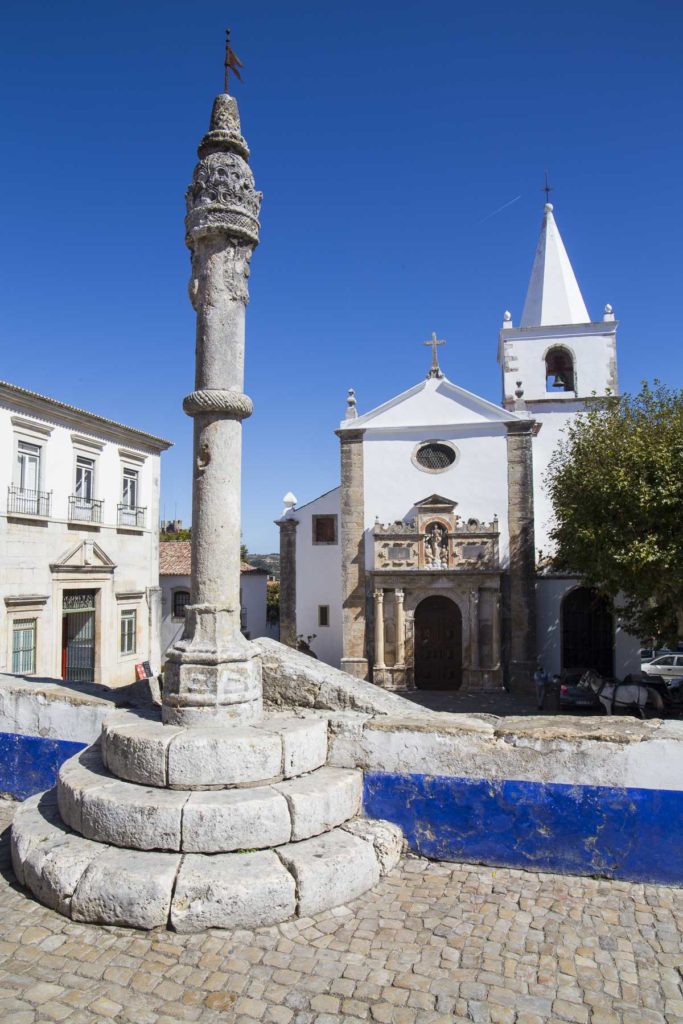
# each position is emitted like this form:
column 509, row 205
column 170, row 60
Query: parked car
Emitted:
column 574, row 696
column 666, row 666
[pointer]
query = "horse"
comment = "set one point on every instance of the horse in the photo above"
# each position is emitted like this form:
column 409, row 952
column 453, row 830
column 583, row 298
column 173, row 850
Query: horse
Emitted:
column 621, row 695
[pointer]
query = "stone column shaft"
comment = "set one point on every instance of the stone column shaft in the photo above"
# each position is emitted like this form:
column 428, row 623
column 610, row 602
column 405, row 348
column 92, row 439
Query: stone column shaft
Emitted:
column 288, row 629
column 522, row 591
column 379, row 628
column 400, row 629
column 495, row 632
column 474, row 629
column 354, row 655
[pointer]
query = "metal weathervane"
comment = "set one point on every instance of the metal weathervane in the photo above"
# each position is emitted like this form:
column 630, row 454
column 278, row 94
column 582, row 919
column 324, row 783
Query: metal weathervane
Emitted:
column 232, row 61
column 547, row 189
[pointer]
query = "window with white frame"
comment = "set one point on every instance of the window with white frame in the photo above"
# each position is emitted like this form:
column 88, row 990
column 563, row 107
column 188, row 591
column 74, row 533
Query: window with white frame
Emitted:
column 24, row 646
column 85, row 479
column 28, row 466
column 129, row 494
column 129, row 619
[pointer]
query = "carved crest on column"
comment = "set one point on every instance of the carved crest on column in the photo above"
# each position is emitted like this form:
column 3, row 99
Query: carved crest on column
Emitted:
column 222, row 197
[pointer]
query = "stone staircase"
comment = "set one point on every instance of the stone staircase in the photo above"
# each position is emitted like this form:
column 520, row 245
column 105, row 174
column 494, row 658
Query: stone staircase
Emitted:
column 201, row 827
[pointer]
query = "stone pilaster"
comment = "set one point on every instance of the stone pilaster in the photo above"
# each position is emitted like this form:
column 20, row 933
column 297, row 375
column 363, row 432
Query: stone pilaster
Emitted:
column 213, row 674
column 354, row 655
column 379, row 628
column 287, row 527
column 400, row 629
column 521, row 617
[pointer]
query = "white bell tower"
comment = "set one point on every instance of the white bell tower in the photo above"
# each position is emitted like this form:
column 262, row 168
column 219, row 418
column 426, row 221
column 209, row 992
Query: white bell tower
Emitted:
column 558, row 353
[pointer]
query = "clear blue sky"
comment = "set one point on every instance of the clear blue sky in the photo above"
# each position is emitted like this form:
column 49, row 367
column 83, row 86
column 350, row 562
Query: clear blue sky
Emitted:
column 383, row 134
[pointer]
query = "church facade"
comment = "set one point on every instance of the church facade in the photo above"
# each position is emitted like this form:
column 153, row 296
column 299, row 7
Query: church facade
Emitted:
column 425, row 566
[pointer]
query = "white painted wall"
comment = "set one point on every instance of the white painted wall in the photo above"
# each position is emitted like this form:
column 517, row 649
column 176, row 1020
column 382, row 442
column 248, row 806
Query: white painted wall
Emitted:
column 318, row 580
column 252, row 604
column 477, row 480
column 28, row 547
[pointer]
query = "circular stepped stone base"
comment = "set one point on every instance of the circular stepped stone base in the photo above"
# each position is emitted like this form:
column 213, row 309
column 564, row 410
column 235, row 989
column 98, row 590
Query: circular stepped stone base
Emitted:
column 99, row 806
column 102, row 884
column 139, row 748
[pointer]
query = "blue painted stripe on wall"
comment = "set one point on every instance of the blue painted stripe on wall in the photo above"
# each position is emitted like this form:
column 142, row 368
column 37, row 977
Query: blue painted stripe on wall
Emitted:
column 29, row 764
column 631, row 834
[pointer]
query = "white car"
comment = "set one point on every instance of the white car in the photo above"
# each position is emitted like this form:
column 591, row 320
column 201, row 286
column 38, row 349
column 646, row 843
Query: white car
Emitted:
column 666, row 666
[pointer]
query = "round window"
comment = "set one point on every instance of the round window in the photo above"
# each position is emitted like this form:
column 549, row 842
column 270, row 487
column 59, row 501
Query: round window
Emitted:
column 435, row 455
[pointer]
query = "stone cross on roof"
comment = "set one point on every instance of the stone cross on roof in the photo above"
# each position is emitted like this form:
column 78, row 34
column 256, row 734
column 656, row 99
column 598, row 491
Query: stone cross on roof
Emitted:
column 435, row 370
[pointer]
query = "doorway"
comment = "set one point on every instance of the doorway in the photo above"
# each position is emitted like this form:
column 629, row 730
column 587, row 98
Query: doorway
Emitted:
column 438, row 644
column 78, row 636
column 587, row 632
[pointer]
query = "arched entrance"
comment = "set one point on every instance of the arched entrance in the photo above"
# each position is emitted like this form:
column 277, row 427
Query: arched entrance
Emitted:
column 438, row 644
column 587, row 632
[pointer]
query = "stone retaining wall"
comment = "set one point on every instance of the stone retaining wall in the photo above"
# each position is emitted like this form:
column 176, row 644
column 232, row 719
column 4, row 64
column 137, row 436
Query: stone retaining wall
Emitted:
column 599, row 796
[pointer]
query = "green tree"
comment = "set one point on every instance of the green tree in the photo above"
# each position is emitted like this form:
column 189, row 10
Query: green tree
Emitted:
column 616, row 486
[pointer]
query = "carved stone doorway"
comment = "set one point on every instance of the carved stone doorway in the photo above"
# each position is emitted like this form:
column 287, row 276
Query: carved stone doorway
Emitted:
column 438, row 644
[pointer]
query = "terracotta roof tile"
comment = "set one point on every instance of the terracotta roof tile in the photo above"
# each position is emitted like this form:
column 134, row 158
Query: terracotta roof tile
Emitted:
column 175, row 559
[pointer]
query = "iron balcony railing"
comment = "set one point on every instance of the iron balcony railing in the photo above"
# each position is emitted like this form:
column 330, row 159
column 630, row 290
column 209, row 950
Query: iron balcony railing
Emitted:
column 131, row 515
column 23, row 502
column 85, row 510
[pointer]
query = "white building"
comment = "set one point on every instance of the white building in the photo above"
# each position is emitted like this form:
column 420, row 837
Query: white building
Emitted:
column 79, row 514
column 175, row 567
column 421, row 568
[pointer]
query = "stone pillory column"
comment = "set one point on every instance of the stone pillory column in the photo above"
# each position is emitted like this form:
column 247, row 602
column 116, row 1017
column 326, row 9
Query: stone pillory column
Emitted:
column 213, row 674
column 287, row 526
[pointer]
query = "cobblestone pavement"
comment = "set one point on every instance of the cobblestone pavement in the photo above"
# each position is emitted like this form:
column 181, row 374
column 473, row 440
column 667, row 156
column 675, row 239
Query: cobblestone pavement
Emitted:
column 434, row 943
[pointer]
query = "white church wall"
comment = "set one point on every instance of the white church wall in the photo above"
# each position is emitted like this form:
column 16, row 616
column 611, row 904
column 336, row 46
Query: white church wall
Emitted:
column 477, row 481
column 553, row 420
column 318, row 580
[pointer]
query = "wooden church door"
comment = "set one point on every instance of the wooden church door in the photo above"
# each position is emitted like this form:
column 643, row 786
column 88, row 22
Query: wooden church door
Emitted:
column 438, row 644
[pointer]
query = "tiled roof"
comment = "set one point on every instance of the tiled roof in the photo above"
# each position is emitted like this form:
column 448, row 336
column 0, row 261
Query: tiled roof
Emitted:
column 13, row 390
column 175, row 559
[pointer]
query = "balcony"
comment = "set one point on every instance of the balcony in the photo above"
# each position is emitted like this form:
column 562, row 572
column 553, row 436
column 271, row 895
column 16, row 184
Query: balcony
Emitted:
column 22, row 502
column 84, row 510
column 131, row 516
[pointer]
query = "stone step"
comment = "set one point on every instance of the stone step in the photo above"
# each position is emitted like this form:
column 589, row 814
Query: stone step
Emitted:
column 99, row 806
column 98, row 883
column 137, row 747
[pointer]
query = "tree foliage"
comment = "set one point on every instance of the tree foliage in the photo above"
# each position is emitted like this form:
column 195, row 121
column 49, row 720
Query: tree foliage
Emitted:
column 616, row 487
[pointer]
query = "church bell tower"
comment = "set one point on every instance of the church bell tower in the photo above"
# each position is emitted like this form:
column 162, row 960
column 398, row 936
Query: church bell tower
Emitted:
column 557, row 354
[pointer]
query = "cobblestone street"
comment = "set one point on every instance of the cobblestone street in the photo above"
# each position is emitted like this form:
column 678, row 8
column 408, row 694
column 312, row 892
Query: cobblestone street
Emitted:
column 434, row 942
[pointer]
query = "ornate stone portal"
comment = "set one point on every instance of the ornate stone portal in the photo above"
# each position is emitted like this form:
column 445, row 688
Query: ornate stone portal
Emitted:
column 437, row 554
column 212, row 813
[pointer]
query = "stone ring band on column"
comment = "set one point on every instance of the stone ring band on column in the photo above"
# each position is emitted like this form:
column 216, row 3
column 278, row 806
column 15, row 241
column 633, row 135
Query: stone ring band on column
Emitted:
column 231, row 404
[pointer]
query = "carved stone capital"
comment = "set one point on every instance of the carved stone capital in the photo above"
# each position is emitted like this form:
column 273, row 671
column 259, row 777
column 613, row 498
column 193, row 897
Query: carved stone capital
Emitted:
column 379, row 596
column 222, row 198
column 399, row 595
column 232, row 405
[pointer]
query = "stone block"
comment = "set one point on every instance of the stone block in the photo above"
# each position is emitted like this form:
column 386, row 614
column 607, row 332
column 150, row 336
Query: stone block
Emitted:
column 304, row 742
column 132, row 816
column 322, row 800
column 77, row 776
column 386, row 839
column 126, row 887
column 330, row 869
column 135, row 747
column 214, row 757
column 235, row 819
column 232, row 890
column 34, row 822
column 53, row 869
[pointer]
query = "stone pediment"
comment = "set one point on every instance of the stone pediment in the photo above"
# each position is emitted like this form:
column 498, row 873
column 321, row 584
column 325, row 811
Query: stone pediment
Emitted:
column 435, row 502
column 85, row 557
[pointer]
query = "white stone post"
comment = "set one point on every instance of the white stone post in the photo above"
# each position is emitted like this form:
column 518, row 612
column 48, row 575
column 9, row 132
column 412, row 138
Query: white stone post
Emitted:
column 213, row 675
column 400, row 629
column 379, row 628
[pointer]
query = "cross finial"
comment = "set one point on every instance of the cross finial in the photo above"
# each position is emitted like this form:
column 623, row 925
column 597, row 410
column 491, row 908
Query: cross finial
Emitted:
column 232, row 61
column 435, row 370
column 547, row 188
